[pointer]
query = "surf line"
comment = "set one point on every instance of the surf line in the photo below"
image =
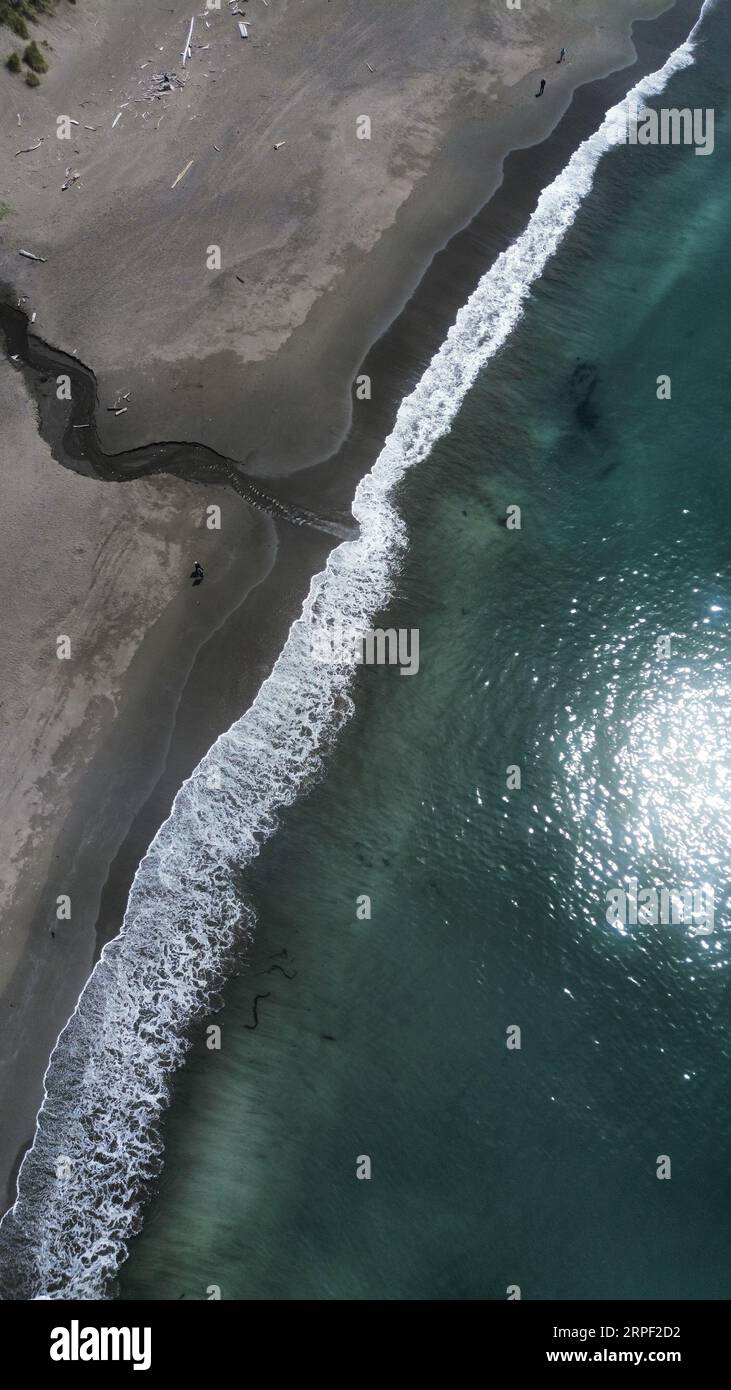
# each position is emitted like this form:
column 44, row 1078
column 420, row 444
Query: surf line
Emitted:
column 130, row 1029
column 77, row 447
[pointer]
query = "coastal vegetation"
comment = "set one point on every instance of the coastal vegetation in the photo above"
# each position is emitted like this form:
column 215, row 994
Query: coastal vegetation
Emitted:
column 34, row 58
column 16, row 15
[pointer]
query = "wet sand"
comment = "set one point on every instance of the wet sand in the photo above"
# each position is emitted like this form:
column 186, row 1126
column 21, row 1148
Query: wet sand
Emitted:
column 95, row 748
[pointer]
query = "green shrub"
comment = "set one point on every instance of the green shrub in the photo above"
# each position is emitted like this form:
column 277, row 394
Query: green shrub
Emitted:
column 32, row 80
column 34, row 58
column 17, row 24
column 14, row 13
column 13, row 62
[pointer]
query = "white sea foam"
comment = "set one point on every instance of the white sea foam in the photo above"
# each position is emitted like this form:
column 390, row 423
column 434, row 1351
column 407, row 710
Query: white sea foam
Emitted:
column 107, row 1082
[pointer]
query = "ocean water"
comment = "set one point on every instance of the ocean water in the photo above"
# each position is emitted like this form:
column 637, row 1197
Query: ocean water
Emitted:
column 387, row 1037
column 539, row 649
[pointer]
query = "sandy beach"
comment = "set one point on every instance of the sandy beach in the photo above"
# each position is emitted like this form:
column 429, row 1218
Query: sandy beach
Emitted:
column 323, row 243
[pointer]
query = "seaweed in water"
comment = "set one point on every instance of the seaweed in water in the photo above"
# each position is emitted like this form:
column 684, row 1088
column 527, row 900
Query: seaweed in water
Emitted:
column 582, row 386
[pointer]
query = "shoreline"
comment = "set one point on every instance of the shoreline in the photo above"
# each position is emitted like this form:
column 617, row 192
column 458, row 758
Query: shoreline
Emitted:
column 400, row 354
column 284, row 586
column 375, row 1041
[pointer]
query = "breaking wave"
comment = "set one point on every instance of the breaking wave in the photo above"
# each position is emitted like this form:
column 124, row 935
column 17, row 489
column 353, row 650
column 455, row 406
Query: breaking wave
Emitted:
column 96, row 1146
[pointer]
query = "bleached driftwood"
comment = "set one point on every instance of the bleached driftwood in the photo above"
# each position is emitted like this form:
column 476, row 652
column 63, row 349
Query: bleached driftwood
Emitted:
column 163, row 82
column 182, row 173
column 186, row 51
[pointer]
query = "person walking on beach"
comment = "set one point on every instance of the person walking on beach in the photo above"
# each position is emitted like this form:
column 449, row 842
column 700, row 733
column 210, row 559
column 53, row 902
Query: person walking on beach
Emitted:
column 542, row 88
column 563, row 55
column 197, row 574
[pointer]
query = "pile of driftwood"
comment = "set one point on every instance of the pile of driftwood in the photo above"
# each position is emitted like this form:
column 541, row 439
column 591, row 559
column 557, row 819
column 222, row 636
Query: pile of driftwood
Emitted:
column 162, row 82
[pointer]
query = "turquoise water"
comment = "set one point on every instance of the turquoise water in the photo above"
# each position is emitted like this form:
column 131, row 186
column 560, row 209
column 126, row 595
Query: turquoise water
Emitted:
column 387, row 1037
